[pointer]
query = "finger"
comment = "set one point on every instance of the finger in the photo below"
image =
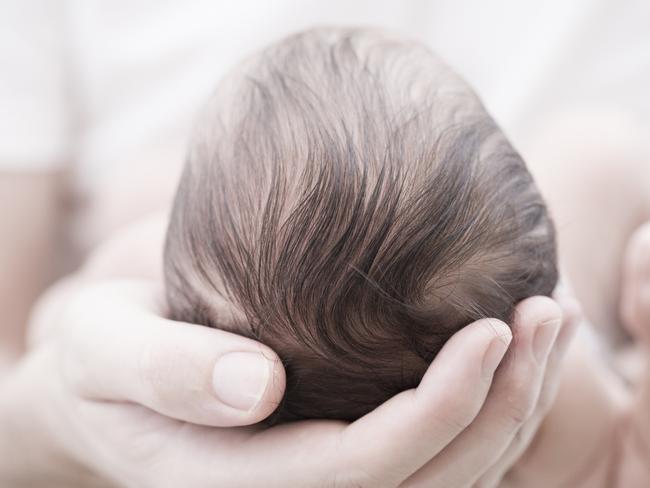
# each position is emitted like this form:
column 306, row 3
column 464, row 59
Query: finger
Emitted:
column 635, row 283
column 396, row 439
column 381, row 449
column 571, row 318
column 297, row 454
column 45, row 317
column 509, row 404
column 131, row 252
column 117, row 348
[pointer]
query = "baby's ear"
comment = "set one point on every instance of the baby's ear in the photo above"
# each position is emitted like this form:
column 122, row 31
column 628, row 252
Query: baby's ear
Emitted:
column 635, row 285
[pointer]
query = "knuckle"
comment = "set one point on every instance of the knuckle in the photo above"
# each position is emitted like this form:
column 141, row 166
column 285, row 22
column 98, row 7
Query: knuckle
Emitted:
column 518, row 412
column 520, row 403
column 459, row 420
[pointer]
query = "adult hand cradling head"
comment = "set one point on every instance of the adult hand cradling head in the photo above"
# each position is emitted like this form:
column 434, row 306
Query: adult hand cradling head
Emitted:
column 114, row 388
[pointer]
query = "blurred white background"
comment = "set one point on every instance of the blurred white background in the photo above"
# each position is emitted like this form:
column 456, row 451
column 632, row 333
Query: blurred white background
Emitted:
column 108, row 89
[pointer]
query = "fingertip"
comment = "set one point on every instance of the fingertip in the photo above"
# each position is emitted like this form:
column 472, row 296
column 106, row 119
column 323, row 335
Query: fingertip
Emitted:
column 483, row 342
column 250, row 382
column 420, row 423
column 484, row 330
column 500, row 329
column 272, row 395
column 535, row 311
column 497, row 347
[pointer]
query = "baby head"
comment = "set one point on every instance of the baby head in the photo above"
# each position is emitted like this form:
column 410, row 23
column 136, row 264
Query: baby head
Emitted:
column 348, row 201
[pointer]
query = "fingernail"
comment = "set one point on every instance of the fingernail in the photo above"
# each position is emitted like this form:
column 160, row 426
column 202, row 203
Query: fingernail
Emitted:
column 544, row 338
column 495, row 352
column 240, row 379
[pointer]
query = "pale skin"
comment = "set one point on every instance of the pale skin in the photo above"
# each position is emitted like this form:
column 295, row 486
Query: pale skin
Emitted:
column 101, row 421
column 109, row 392
column 115, row 414
column 598, row 431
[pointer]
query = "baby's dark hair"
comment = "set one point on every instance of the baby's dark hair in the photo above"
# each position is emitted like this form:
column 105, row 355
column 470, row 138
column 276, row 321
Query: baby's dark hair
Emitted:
column 349, row 202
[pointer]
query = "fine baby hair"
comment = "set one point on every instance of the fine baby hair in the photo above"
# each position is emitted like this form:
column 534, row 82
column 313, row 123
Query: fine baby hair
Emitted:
column 348, row 201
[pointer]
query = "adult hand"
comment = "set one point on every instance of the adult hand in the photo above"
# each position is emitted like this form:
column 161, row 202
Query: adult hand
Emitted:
column 522, row 393
column 634, row 433
column 137, row 398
